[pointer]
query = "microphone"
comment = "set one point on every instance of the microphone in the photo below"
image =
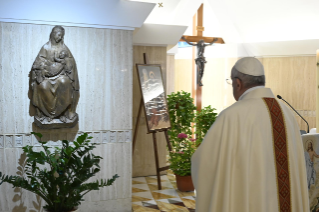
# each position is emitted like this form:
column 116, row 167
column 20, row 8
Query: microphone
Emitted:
column 279, row 97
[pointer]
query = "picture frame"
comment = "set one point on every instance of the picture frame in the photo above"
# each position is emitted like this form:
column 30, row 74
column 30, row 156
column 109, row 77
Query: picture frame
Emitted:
column 154, row 97
column 311, row 148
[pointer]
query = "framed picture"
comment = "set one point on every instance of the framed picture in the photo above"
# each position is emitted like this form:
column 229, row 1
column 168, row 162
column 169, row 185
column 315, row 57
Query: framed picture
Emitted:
column 311, row 151
column 154, row 97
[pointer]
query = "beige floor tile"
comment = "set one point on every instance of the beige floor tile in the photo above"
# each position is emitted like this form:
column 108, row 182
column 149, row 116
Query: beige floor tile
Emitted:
column 145, row 189
column 171, row 192
column 135, row 190
column 139, row 199
column 155, row 187
column 138, row 208
column 185, row 194
column 174, row 185
column 171, row 177
column 141, row 186
column 170, row 207
column 153, row 180
column 189, row 203
column 170, row 172
column 161, row 196
column 137, row 182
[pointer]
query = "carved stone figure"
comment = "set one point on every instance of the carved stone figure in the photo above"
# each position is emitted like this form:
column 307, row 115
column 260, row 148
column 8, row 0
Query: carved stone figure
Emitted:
column 55, row 84
column 200, row 60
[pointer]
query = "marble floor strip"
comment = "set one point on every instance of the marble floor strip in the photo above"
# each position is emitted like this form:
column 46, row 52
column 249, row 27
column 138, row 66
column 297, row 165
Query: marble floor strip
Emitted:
column 147, row 198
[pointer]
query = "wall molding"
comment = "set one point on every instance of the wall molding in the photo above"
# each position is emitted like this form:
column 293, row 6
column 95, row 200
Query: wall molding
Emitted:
column 19, row 140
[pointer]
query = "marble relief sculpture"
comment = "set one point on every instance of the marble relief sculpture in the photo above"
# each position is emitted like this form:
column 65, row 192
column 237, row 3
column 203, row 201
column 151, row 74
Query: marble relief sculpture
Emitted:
column 55, row 84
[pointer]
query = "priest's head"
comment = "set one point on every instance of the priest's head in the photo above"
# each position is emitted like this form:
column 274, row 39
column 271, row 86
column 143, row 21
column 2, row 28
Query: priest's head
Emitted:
column 248, row 72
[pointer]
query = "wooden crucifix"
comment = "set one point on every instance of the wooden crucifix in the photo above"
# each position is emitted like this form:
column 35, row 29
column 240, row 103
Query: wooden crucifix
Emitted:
column 201, row 43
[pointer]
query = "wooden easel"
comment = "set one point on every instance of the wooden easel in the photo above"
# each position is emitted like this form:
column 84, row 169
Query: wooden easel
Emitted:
column 158, row 169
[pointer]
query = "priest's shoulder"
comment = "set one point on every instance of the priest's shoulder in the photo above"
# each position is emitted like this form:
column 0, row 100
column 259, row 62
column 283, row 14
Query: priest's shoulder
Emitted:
column 239, row 107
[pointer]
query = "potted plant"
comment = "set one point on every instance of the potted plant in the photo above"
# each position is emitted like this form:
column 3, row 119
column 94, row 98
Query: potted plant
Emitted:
column 183, row 119
column 180, row 160
column 59, row 175
column 203, row 121
column 182, row 113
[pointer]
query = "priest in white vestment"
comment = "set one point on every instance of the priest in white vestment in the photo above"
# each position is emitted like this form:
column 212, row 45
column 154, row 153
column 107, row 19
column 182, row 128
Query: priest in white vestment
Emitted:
column 252, row 158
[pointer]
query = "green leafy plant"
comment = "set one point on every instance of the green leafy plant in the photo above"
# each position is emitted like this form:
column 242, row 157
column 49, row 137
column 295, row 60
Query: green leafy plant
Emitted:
column 183, row 119
column 182, row 113
column 180, row 157
column 61, row 180
column 203, row 121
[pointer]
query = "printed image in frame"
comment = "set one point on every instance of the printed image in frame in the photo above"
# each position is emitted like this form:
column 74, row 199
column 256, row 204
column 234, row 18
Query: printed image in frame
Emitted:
column 154, row 97
column 311, row 151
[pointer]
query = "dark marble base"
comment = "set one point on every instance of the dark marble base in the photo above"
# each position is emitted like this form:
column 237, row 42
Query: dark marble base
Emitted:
column 56, row 123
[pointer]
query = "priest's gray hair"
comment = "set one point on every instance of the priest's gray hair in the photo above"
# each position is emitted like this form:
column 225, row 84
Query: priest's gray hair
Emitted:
column 248, row 80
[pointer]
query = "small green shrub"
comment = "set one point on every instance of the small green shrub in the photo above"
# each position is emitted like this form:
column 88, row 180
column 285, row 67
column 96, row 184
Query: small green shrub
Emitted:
column 203, row 121
column 182, row 115
column 61, row 182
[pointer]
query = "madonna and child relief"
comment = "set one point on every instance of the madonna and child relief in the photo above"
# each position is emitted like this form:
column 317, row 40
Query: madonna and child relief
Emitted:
column 55, row 84
column 311, row 147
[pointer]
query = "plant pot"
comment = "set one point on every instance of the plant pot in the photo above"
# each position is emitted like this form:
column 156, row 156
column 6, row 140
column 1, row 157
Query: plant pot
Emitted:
column 184, row 183
column 74, row 210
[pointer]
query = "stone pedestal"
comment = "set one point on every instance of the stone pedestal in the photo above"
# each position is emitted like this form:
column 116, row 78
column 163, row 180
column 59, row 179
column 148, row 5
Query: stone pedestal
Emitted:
column 56, row 123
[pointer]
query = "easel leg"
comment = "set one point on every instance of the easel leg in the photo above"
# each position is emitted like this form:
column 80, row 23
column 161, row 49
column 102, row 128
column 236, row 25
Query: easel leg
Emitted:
column 156, row 161
column 167, row 141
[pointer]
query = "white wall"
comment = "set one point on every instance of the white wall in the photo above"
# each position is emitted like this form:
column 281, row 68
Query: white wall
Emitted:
column 104, row 62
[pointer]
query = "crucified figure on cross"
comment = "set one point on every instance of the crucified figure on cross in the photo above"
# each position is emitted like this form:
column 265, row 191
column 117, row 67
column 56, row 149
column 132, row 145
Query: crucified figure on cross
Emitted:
column 200, row 60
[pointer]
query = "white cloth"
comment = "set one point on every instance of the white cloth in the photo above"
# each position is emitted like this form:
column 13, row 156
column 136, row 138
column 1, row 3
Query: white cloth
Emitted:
column 233, row 170
column 248, row 90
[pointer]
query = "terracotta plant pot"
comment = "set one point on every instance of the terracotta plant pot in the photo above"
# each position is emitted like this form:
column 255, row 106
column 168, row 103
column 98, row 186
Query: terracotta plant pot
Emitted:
column 184, row 183
column 74, row 210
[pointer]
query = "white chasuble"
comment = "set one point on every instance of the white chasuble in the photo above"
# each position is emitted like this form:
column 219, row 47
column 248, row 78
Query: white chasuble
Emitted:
column 251, row 159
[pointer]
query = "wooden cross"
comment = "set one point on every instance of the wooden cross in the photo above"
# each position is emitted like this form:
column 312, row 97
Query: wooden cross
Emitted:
column 197, row 36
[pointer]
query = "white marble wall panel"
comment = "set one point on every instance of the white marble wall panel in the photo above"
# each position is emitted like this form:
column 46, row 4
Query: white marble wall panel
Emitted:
column 104, row 62
column 119, row 205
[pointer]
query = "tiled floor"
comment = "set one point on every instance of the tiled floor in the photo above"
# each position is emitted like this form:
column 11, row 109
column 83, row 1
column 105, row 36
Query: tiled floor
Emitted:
column 147, row 198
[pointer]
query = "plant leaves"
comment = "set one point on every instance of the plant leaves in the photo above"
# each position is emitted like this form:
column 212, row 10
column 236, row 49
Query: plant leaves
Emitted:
column 69, row 166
